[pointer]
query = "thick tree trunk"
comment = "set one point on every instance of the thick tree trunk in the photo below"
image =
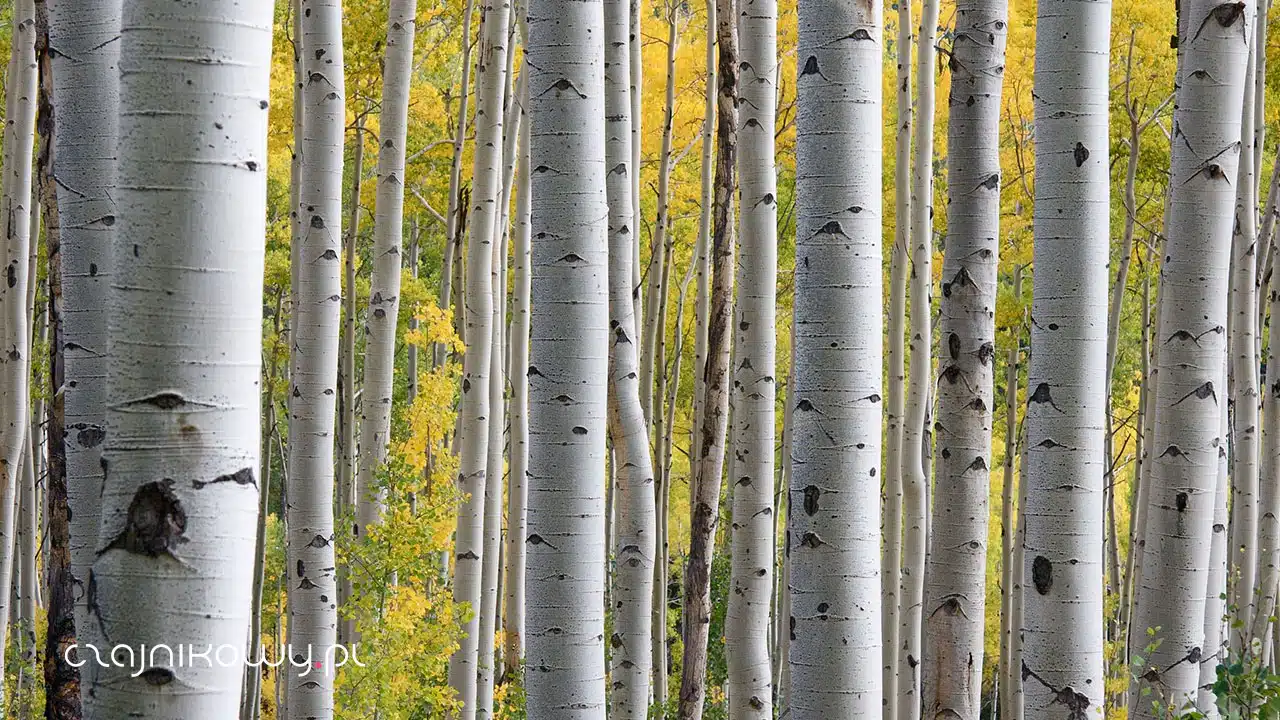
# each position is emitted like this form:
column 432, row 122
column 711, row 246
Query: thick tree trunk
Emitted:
column 915, row 429
column 754, row 386
column 709, row 446
column 476, row 409
column 313, row 618
column 1062, row 628
column 834, row 522
column 568, row 370
column 1192, row 343
column 180, row 500
column 891, row 567
column 956, row 596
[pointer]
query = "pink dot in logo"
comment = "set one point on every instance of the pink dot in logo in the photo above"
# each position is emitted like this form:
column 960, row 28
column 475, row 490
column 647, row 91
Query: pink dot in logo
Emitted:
column 318, row 664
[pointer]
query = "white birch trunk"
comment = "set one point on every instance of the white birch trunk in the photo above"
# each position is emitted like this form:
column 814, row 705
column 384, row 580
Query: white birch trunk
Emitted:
column 891, row 567
column 833, row 538
column 956, row 597
column 518, row 363
column 475, row 415
column 1191, row 338
column 1005, row 679
column 15, row 205
column 754, row 368
column 184, row 322
column 310, row 536
column 86, row 93
column 1215, row 643
column 568, row 370
column 634, row 502
column 384, row 287
column 915, row 429
column 1062, row 628
column 1243, row 384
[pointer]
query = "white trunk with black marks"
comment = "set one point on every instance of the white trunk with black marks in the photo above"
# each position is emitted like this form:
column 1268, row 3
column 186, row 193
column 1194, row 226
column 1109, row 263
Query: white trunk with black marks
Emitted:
column 310, row 560
column 86, row 95
column 956, row 597
column 1062, row 627
column 915, row 430
column 569, row 363
column 184, row 319
column 19, row 140
column 635, row 528
column 1243, row 384
column 476, row 409
column 1215, row 641
column 384, row 284
column 702, row 247
column 834, row 521
column 1269, row 487
column 754, row 386
column 896, row 387
column 1191, row 339
column 517, row 366
column 635, row 27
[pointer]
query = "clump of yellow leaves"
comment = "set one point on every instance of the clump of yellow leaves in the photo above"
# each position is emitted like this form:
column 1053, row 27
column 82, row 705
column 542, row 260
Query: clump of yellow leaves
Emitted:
column 403, row 610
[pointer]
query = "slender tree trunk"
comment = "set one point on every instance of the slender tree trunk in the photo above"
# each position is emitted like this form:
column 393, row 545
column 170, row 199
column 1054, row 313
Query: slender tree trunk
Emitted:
column 1242, row 381
column 310, row 546
column 565, row 671
column 651, row 362
column 454, row 218
column 833, row 533
column 755, row 388
column 1017, row 690
column 701, row 250
column 782, row 684
column 179, row 511
column 1269, row 490
column 636, row 45
column 475, row 417
column 384, row 287
column 708, row 459
column 517, row 372
column 1215, row 609
column 1005, row 678
column 61, row 678
column 956, row 604
column 636, row 523
column 916, row 426
column 891, row 567
column 1189, row 396
column 14, row 410
column 348, row 502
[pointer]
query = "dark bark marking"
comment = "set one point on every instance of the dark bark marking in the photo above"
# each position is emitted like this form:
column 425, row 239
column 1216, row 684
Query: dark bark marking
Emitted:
column 243, row 476
column 156, row 522
column 1042, row 574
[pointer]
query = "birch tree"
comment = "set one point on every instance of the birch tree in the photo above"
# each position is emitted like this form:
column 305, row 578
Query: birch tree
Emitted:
column 834, row 522
column 956, row 597
column 755, row 389
column 634, row 504
column 184, row 323
column 86, row 87
column 891, row 568
column 15, row 204
column 478, row 362
column 388, row 234
column 1066, row 405
column 713, row 418
column 1191, row 340
column 915, row 428
column 568, row 367
column 312, row 583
